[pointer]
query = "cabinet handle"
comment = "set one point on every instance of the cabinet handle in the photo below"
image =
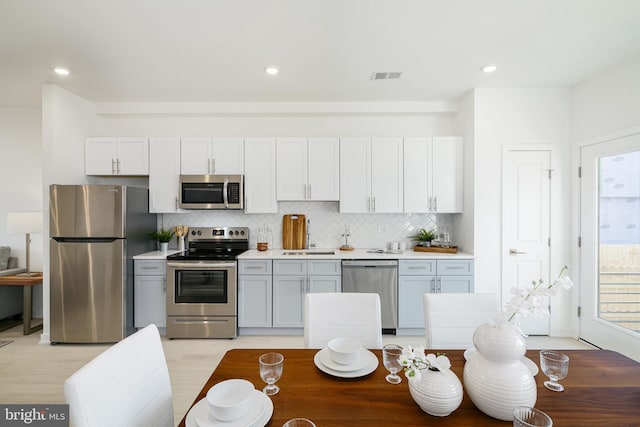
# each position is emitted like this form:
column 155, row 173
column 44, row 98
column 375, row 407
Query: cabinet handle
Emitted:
column 433, row 285
column 417, row 268
column 165, row 285
column 456, row 268
column 305, row 192
column 369, row 204
column 252, row 267
column 113, row 166
column 213, row 165
column 435, row 203
column 374, row 204
column 118, row 166
column 439, row 285
column 177, row 203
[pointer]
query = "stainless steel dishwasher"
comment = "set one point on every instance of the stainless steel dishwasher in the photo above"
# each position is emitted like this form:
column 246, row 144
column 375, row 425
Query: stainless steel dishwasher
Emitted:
column 375, row 276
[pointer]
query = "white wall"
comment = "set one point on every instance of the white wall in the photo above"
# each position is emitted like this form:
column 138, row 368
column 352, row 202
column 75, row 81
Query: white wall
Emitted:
column 603, row 107
column 517, row 117
column 21, row 185
column 66, row 120
column 464, row 125
column 606, row 103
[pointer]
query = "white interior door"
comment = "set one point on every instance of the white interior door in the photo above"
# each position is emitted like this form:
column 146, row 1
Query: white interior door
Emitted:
column 525, row 226
column 610, row 249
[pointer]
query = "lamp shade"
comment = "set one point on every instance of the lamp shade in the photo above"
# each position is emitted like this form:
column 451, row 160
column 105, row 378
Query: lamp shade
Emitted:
column 24, row 222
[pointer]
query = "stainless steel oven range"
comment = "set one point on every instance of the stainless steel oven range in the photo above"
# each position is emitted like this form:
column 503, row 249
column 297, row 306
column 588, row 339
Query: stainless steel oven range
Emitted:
column 202, row 287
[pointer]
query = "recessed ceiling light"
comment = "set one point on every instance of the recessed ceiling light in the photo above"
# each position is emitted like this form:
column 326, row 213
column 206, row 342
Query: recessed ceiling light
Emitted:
column 489, row 68
column 61, row 71
column 272, row 71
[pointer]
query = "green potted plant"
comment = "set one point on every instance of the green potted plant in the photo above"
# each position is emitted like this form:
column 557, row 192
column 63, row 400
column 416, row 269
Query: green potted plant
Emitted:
column 163, row 236
column 424, row 237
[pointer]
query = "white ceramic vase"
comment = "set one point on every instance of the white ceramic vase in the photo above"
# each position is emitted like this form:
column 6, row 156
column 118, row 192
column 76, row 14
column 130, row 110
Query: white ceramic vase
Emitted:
column 437, row 393
column 164, row 246
column 495, row 377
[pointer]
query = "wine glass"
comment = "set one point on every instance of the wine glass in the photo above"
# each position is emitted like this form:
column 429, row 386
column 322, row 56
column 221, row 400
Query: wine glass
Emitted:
column 391, row 359
column 555, row 365
column 271, row 365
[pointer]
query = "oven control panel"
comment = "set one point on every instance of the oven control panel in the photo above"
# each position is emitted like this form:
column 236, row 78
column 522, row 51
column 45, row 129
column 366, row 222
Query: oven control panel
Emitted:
column 218, row 233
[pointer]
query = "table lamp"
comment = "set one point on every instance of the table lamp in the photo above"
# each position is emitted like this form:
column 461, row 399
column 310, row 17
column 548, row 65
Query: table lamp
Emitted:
column 25, row 222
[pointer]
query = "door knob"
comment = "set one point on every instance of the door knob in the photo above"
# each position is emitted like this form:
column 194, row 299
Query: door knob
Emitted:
column 515, row 252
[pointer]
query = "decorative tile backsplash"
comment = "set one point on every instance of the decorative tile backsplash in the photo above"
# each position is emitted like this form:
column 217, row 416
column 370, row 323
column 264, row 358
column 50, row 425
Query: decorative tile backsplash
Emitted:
column 327, row 224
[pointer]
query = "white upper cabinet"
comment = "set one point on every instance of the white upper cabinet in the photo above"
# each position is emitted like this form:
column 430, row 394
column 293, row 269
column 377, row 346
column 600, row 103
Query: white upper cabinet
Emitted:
column 164, row 173
column 117, row 156
column 371, row 175
column 260, row 175
column 308, row 169
column 433, row 174
column 208, row 156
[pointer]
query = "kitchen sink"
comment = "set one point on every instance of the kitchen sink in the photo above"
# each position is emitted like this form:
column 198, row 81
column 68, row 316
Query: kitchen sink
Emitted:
column 308, row 253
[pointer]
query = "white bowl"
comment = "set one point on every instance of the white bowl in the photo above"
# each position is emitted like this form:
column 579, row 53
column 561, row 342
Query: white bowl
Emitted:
column 345, row 351
column 229, row 400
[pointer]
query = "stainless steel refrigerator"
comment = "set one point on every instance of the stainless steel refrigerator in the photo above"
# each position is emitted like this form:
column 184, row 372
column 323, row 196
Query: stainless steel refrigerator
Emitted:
column 95, row 232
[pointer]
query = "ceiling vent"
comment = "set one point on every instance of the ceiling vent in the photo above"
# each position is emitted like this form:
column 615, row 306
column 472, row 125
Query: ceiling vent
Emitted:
column 386, row 75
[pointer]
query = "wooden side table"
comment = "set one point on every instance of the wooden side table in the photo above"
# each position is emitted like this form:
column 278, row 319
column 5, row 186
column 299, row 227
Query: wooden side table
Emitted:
column 27, row 284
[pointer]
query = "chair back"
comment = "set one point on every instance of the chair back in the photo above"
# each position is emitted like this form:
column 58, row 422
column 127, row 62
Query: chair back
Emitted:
column 451, row 319
column 337, row 314
column 126, row 385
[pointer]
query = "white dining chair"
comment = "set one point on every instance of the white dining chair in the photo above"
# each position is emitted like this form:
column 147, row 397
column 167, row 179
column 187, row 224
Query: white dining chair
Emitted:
column 342, row 314
column 451, row 319
column 126, row 385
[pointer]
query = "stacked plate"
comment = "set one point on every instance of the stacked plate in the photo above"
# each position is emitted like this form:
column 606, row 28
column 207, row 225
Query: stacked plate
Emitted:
column 254, row 407
column 367, row 362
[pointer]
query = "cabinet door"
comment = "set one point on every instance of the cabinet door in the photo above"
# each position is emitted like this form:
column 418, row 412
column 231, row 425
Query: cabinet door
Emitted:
column 455, row 267
column 164, row 173
column 455, row 284
column 411, row 290
column 447, row 174
column 195, row 156
column 417, row 174
column 100, row 156
column 254, row 301
column 355, row 175
column 133, row 156
column 323, row 173
column 325, row 284
column 260, row 175
column 291, row 169
column 288, row 292
column 386, row 175
column 150, row 301
column 324, row 267
column 290, row 267
column 228, row 156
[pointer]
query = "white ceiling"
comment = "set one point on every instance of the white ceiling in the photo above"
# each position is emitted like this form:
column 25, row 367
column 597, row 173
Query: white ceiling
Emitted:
column 216, row 50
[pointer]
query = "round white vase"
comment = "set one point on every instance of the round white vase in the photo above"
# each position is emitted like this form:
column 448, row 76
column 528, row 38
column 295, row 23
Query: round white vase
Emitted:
column 164, row 246
column 437, row 393
column 495, row 377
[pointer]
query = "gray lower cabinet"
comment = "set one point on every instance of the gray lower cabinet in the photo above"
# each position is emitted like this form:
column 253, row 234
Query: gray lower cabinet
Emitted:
column 150, row 293
column 255, row 294
column 418, row 277
column 293, row 279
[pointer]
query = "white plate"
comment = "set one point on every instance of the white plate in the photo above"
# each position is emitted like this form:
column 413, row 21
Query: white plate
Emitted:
column 325, row 358
column 372, row 364
column 530, row 364
column 258, row 416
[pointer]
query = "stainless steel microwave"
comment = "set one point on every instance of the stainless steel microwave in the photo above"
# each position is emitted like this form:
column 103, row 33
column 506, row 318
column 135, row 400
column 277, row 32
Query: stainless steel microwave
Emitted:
column 211, row 192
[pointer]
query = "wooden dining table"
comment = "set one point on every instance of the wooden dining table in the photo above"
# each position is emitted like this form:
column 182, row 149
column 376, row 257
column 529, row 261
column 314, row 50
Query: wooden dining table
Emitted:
column 602, row 388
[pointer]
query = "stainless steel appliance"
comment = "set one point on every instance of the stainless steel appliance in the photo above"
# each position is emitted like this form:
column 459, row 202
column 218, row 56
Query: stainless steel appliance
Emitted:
column 211, row 192
column 375, row 276
column 95, row 232
column 202, row 288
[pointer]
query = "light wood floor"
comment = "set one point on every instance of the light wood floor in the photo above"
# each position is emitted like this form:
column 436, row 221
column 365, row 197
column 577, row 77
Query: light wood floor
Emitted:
column 33, row 373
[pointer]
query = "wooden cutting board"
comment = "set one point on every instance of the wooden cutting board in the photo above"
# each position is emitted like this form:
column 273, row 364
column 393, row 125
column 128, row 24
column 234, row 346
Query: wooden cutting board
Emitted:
column 294, row 231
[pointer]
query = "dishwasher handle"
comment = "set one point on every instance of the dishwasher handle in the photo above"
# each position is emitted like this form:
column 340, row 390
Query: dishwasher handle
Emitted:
column 370, row 264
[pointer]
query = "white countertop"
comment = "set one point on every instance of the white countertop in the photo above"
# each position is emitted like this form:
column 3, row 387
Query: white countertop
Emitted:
column 156, row 254
column 338, row 254
column 355, row 254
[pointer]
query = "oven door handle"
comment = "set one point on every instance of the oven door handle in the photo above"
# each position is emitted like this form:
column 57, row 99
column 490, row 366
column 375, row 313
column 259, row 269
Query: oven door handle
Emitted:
column 201, row 265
